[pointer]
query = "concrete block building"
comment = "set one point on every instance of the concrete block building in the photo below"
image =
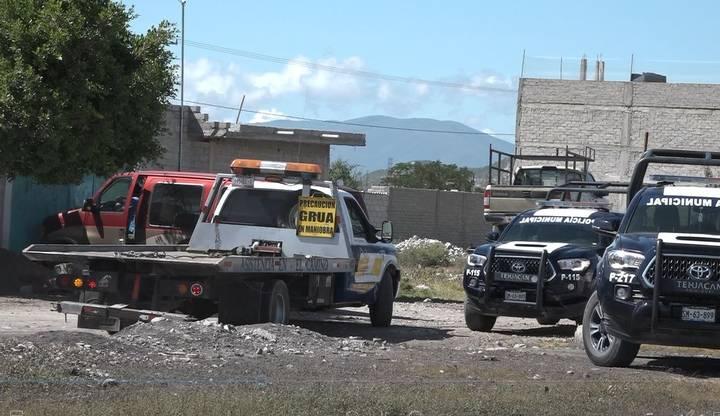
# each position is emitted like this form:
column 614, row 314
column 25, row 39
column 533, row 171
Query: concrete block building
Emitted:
column 210, row 146
column 618, row 119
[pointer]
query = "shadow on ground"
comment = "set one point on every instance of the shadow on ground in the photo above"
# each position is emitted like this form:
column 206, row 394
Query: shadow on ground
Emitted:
column 343, row 323
column 555, row 331
column 16, row 271
column 363, row 330
column 412, row 299
column 698, row 367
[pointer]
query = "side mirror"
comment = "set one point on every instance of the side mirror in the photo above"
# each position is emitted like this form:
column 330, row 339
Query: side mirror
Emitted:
column 605, row 227
column 386, row 231
column 89, row 205
column 492, row 236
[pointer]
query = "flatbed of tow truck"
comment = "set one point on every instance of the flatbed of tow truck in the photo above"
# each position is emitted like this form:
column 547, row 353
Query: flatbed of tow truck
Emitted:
column 179, row 256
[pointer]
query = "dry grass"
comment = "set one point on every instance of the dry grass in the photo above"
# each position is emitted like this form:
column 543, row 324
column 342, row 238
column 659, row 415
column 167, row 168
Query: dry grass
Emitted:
column 443, row 283
column 427, row 398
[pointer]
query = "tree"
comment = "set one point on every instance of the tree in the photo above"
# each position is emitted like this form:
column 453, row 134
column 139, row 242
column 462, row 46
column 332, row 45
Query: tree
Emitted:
column 430, row 175
column 79, row 93
column 342, row 169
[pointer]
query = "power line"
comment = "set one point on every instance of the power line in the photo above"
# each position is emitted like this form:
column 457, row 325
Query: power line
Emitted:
column 340, row 70
column 345, row 123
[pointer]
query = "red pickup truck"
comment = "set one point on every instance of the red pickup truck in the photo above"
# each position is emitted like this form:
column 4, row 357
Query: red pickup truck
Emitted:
column 144, row 207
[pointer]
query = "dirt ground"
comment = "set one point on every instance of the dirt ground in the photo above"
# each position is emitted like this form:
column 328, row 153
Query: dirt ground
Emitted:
column 334, row 362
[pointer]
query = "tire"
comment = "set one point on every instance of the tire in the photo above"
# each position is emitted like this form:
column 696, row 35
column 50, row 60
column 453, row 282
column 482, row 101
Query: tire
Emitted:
column 476, row 321
column 240, row 303
column 381, row 311
column 277, row 303
column 603, row 349
column 547, row 321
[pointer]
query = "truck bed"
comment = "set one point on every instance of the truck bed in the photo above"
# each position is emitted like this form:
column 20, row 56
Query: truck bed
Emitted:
column 179, row 256
column 505, row 202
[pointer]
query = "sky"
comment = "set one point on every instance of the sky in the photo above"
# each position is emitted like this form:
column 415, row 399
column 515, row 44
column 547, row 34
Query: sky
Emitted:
column 470, row 52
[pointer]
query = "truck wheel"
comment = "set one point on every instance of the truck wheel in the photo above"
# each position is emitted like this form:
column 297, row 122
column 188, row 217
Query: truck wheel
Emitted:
column 602, row 348
column 240, row 303
column 381, row 311
column 476, row 321
column 547, row 321
column 277, row 304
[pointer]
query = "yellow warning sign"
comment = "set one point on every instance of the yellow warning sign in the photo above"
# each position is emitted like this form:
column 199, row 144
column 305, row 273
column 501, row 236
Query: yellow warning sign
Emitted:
column 316, row 217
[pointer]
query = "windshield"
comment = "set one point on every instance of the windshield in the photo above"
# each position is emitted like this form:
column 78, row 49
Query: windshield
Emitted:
column 552, row 229
column 678, row 214
column 546, row 177
column 260, row 207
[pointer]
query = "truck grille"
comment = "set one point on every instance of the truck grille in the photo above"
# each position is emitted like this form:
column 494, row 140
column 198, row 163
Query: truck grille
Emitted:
column 677, row 267
column 531, row 265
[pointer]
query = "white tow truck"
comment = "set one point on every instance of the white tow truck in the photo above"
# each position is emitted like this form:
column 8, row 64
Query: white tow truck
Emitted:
column 270, row 237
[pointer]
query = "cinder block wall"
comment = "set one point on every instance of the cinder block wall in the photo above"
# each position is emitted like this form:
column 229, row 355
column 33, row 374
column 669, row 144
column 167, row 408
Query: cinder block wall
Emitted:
column 195, row 154
column 455, row 217
column 377, row 207
column 613, row 117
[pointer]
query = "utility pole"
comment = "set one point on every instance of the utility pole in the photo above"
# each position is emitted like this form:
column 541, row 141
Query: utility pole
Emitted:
column 182, row 84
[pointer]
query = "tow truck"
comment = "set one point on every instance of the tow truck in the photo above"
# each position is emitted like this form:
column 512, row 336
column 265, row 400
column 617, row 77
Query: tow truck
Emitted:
column 658, row 282
column 542, row 266
column 270, row 236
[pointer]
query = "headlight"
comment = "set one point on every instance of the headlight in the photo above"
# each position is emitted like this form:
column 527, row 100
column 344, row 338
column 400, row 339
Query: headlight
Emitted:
column 476, row 260
column 574, row 265
column 620, row 259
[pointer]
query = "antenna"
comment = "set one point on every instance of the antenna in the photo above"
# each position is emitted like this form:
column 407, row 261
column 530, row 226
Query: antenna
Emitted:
column 237, row 119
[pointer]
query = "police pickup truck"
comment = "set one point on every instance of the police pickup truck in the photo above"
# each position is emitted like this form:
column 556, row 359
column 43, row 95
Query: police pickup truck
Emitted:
column 542, row 266
column 659, row 280
column 269, row 237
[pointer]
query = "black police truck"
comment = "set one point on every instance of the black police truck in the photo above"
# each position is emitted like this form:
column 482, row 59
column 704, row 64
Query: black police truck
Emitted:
column 659, row 280
column 542, row 266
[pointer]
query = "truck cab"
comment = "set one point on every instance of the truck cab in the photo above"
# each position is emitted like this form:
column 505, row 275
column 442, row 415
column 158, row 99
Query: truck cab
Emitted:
column 658, row 282
column 542, row 266
column 145, row 207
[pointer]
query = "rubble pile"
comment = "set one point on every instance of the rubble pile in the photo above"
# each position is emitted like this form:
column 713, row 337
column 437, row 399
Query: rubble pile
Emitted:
column 414, row 242
column 164, row 343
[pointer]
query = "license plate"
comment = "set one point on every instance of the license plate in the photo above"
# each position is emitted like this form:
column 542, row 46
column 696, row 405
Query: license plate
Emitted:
column 698, row 314
column 513, row 277
column 516, row 296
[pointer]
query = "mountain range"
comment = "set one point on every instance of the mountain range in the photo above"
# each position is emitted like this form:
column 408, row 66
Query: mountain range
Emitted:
column 398, row 140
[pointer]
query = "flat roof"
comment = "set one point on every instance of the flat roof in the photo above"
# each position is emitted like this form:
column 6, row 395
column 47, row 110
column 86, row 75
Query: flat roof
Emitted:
column 231, row 131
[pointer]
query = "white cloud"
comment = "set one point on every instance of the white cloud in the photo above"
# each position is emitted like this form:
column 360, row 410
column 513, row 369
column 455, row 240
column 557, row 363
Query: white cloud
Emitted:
column 269, row 115
column 314, row 92
column 422, row 89
column 490, row 80
column 206, row 78
column 312, row 82
column 383, row 92
column 488, row 131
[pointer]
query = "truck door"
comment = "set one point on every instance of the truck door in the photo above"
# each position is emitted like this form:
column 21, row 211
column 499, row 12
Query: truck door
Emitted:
column 370, row 256
column 106, row 222
column 173, row 210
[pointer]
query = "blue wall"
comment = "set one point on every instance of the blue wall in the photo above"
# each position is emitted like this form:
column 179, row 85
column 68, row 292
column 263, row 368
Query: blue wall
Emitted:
column 32, row 202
